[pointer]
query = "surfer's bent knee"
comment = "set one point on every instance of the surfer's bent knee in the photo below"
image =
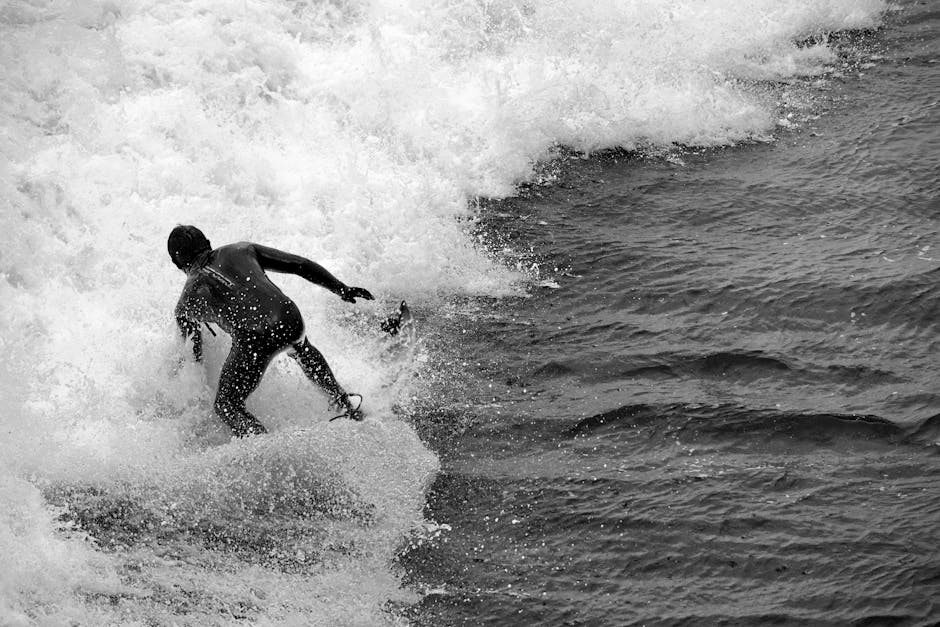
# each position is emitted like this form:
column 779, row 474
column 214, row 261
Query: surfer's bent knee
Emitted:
column 297, row 347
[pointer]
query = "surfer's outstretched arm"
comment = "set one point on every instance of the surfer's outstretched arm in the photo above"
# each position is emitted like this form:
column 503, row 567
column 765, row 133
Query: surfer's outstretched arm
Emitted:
column 279, row 261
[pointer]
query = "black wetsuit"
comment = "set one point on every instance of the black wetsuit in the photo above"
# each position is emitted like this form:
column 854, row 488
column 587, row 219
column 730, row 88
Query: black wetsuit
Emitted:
column 228, row 287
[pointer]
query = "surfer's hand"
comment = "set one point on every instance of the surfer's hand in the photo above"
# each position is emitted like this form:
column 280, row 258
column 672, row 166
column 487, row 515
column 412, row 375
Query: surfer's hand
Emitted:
column 350, row 294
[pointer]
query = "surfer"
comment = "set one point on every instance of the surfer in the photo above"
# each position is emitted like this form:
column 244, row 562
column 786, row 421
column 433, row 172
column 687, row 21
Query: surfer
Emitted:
column 229, row 287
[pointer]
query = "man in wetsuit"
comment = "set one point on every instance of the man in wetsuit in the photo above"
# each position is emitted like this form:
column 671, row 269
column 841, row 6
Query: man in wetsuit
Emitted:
column 229, row 287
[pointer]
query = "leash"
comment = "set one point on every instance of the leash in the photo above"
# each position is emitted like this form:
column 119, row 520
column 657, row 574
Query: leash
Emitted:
column 348, row 412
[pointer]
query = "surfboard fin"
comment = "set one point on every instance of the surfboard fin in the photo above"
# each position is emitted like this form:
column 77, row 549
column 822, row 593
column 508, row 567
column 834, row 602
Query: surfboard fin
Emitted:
column 402, row 317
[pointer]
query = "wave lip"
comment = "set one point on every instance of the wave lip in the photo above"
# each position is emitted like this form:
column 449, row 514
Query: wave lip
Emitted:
column 735, row 422
column 736, row 364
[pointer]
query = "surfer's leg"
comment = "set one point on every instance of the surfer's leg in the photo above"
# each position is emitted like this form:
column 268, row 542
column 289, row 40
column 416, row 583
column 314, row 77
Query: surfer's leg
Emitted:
column 315, row 367
column 317, row 370
column 240, row 375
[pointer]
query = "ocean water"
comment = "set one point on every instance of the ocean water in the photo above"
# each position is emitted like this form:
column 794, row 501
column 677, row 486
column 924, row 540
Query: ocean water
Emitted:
column 719, row 404
column 672, row 266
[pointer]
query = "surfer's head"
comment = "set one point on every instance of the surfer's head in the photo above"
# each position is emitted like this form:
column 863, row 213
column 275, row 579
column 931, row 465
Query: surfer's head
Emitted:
column 185, row 244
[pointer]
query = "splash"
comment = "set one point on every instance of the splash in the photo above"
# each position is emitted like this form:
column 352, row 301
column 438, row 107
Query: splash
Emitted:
column 355, row 133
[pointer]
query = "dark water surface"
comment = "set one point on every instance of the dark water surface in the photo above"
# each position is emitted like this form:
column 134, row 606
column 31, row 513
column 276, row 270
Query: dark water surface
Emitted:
column 720, row 406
